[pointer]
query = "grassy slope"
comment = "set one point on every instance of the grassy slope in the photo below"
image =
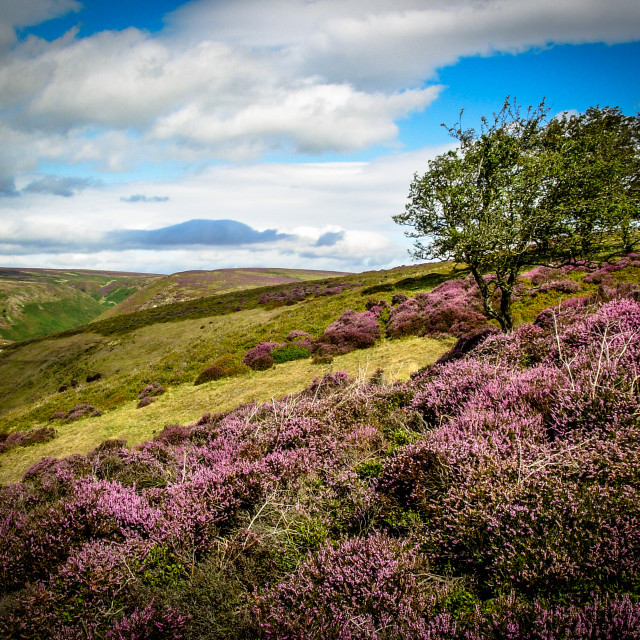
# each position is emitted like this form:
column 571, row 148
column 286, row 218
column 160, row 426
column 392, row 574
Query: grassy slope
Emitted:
column 172, row 344
column 36, row 302
column 185, row 403
column 190, row 285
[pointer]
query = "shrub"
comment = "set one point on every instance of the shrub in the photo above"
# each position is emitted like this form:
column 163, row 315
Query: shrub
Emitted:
column 563, row 286
column 352, row 590
column 467, row 343
column 27, row 438
column 452, row 307
column 145, row 402
column 259, row 358
column 209, row 374
column 151, row 390
column 351, row 331
column 79, row 411
column 223, row 367
column 289, row 352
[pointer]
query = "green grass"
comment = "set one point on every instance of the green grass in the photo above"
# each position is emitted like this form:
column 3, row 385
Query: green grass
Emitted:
column 186, row 403
column 40, row 302
column 172, row 344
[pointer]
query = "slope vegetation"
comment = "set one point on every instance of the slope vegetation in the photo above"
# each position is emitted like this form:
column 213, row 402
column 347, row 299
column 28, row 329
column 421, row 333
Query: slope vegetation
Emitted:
column 189, row 285
column 35, row 302
column 494, row 494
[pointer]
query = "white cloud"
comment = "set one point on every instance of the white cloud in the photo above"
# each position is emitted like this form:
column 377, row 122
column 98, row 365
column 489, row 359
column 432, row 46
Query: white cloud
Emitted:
column 392, row 44
column 24, row 13
column 235, row 79
column 353, row 201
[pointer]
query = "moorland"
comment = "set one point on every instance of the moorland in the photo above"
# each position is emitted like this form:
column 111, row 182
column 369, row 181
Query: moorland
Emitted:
column 368, row 456
column 448, row 451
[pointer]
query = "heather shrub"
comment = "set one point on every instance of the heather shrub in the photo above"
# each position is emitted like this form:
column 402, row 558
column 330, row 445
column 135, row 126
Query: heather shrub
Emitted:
column 606, row 617
column 399, row 298
column 152, row 390
column 415, row 476
column 173, row 434
column 259, row 358
column 209, row 374
column 328, row 383
column 452, row 307
column 79, row 411
column 145, row 402
column 467, row 343
column 360, row 588
column 27, row 438
column 351, row 331
column 563, row 286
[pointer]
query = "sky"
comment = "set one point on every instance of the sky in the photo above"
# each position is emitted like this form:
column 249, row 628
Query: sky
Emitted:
column 164, row 136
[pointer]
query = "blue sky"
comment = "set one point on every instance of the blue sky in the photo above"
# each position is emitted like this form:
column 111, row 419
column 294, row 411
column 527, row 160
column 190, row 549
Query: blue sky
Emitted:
column 297, row 123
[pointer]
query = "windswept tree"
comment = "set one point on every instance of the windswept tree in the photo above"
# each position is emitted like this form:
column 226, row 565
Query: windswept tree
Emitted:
column 525, row 191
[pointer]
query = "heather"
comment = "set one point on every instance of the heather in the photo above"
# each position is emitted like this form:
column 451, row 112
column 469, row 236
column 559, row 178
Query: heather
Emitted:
column 496, row 494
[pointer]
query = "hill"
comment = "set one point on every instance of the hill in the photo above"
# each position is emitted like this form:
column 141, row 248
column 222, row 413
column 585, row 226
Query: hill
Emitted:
column 189, row 285
column 494, row 493
column 35, row 302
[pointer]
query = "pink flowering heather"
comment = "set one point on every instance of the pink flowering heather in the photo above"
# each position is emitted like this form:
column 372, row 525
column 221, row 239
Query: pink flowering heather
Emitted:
column 495, row 494
column 452, row 307
column 352, row 331
column 259, row 358
column 361, row 588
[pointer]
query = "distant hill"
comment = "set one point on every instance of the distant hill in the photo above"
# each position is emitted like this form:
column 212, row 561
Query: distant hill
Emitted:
column 189, row 285
column 36, row 302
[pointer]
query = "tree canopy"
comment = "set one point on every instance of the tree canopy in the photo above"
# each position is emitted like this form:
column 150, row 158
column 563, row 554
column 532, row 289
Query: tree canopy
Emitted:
column 525, row 191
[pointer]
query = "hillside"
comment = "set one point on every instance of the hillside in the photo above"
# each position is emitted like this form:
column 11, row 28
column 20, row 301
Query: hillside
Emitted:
column 35, row 302
column 189, row 285
column 492, row 494
column 173, row 343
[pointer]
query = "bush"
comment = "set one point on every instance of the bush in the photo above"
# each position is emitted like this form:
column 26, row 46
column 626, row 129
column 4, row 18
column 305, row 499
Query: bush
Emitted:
column 27, row 438
column 399, row 298
column 289, row 352
column 259, row 358
column 209, row 374
column 351, row 590
column 151, row 390
column 79, row 411
column 223, row 367
column 351, row 331
column 453, row 307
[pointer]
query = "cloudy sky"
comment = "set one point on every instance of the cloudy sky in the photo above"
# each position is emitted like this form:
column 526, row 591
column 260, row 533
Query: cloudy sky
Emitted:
column 164, row 135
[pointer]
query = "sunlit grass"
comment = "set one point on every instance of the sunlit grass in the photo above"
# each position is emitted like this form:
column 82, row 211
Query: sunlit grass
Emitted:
column 186, row 403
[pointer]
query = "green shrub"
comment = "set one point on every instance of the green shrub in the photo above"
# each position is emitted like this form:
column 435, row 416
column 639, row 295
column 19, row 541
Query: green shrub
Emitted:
column 289, row 352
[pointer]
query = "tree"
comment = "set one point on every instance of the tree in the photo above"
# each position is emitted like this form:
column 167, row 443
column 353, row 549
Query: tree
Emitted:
column 595, row 185
column 524, row 192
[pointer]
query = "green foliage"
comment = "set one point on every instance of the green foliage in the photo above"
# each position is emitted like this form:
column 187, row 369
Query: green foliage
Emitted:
column 289, row 352
column 522, row 192
column 369, row 469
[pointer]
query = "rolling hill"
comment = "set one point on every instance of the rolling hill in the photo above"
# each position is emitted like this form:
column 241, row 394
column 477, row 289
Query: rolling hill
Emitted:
column 396, row 484
column 189, row 285
column 35, row 302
